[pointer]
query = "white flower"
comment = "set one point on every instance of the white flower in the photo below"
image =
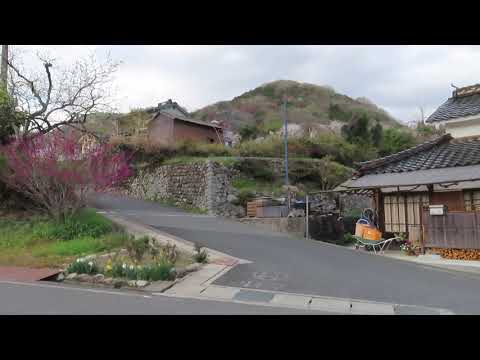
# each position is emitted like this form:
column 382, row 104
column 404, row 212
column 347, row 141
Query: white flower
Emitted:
column 132, row 267
column 78, row 260
column 124, row 266
column 90, row 263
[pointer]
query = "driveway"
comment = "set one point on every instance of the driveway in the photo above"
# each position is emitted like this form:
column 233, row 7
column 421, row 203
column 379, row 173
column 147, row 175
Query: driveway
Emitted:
column 289, row 264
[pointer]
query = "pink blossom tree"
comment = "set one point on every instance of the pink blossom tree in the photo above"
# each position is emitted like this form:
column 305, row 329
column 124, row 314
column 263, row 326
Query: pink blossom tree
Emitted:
column 56, row 172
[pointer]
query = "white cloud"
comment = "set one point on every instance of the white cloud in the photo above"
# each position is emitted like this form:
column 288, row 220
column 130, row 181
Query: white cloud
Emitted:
column 397, row 78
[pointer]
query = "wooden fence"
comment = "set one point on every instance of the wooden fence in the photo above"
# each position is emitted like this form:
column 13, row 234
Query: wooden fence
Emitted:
column 458, row 230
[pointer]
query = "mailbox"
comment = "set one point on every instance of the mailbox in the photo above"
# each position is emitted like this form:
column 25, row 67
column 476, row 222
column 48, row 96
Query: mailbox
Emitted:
column 437, row 209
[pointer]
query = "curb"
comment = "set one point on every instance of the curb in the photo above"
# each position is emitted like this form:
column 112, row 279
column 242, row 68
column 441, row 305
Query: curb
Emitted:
column 138, row 229
column 198, row 285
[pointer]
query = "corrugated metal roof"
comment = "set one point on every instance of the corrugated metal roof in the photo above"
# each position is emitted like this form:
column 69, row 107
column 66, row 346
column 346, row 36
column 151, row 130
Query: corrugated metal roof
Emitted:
column 178, row 116
column 420, row 177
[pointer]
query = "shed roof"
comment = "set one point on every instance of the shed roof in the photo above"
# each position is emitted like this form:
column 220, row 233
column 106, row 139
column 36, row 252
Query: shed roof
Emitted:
column 177, row 116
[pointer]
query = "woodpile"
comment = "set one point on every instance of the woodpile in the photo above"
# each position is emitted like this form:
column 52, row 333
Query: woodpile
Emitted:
column 457, row 254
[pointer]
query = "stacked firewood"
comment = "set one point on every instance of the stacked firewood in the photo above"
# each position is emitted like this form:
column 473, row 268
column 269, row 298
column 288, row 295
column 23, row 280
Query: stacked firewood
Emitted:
column 457, row 254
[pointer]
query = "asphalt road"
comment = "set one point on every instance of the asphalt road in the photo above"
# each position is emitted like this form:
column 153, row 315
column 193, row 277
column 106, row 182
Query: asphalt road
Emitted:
column 48, row 299
column 283, row 263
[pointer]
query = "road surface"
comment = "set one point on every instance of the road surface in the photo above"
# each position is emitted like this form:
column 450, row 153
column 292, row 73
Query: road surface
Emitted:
column 51, row 299
column 284, row 263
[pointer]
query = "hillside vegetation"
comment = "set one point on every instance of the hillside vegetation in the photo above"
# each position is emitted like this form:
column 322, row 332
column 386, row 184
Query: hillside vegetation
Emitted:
column 316, row 107
column 330, row 127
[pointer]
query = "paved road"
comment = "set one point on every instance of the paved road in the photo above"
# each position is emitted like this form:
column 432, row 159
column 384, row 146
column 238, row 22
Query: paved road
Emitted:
column 283, row 263
column 47, row 299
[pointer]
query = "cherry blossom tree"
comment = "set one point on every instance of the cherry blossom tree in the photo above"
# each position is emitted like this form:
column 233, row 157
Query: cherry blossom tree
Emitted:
column 56, row 172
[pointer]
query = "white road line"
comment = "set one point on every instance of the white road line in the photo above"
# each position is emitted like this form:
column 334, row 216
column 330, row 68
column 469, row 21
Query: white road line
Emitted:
column 74, row 288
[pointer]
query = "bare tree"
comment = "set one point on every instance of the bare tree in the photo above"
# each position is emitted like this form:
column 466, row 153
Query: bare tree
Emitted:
column 60, row 96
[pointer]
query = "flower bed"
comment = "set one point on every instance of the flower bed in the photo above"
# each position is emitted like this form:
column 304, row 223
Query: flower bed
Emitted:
column 137, row 265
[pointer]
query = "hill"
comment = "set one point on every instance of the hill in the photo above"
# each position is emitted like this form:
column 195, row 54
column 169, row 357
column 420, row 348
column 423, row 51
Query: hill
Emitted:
column 316, row 107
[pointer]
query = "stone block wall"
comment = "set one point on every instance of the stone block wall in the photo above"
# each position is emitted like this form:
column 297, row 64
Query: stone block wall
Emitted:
column 203, row 185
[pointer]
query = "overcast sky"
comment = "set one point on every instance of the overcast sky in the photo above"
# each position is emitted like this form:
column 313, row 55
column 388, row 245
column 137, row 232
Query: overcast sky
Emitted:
column 399, row 79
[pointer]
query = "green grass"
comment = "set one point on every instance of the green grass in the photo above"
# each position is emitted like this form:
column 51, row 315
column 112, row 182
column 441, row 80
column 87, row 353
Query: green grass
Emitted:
column 244, row 184
column 40, row 241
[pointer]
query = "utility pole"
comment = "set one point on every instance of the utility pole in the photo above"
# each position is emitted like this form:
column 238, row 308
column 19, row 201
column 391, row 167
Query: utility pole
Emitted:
column 285, row 135
column 285, row 120
column 4, row 67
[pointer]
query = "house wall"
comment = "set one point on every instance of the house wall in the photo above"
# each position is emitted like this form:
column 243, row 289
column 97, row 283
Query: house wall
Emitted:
column 462, row 127
column 189, row 131
column 402, row 211
column 160, row 130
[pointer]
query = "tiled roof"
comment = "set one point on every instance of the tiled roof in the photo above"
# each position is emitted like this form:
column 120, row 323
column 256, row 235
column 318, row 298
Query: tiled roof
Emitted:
column 457, row 106
column 443, row 152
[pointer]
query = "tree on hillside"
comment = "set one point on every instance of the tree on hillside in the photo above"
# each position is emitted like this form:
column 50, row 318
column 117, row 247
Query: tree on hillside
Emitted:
column 377, row 134
column 332, row 173
column 395, row 140
column 357, row 130
column 58, row 95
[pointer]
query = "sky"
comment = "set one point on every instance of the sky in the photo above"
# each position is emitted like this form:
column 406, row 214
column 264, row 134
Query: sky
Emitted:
column 400, row 79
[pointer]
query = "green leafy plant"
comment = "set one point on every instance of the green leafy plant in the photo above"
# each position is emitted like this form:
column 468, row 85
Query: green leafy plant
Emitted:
column 83, row 266
column 348, row 239
column 200, row 255
column 153, row 272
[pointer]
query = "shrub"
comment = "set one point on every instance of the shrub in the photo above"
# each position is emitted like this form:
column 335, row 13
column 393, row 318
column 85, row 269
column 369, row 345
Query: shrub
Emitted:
column 83, row 266
column 200, row 255
column 244, row 196
column 255, row 168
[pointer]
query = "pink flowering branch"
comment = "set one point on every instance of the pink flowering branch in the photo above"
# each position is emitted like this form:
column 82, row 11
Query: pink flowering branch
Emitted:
column 56, row 173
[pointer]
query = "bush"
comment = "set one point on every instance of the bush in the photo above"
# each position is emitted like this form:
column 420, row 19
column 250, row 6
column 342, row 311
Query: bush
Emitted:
column 255, row 168
column 244, row 196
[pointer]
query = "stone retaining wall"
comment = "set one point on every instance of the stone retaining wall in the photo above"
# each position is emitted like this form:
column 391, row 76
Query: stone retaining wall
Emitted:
column 205, row 186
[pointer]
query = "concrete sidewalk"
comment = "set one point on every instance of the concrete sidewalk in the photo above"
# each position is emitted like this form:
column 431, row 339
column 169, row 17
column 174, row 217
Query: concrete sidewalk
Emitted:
column 471, row 266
